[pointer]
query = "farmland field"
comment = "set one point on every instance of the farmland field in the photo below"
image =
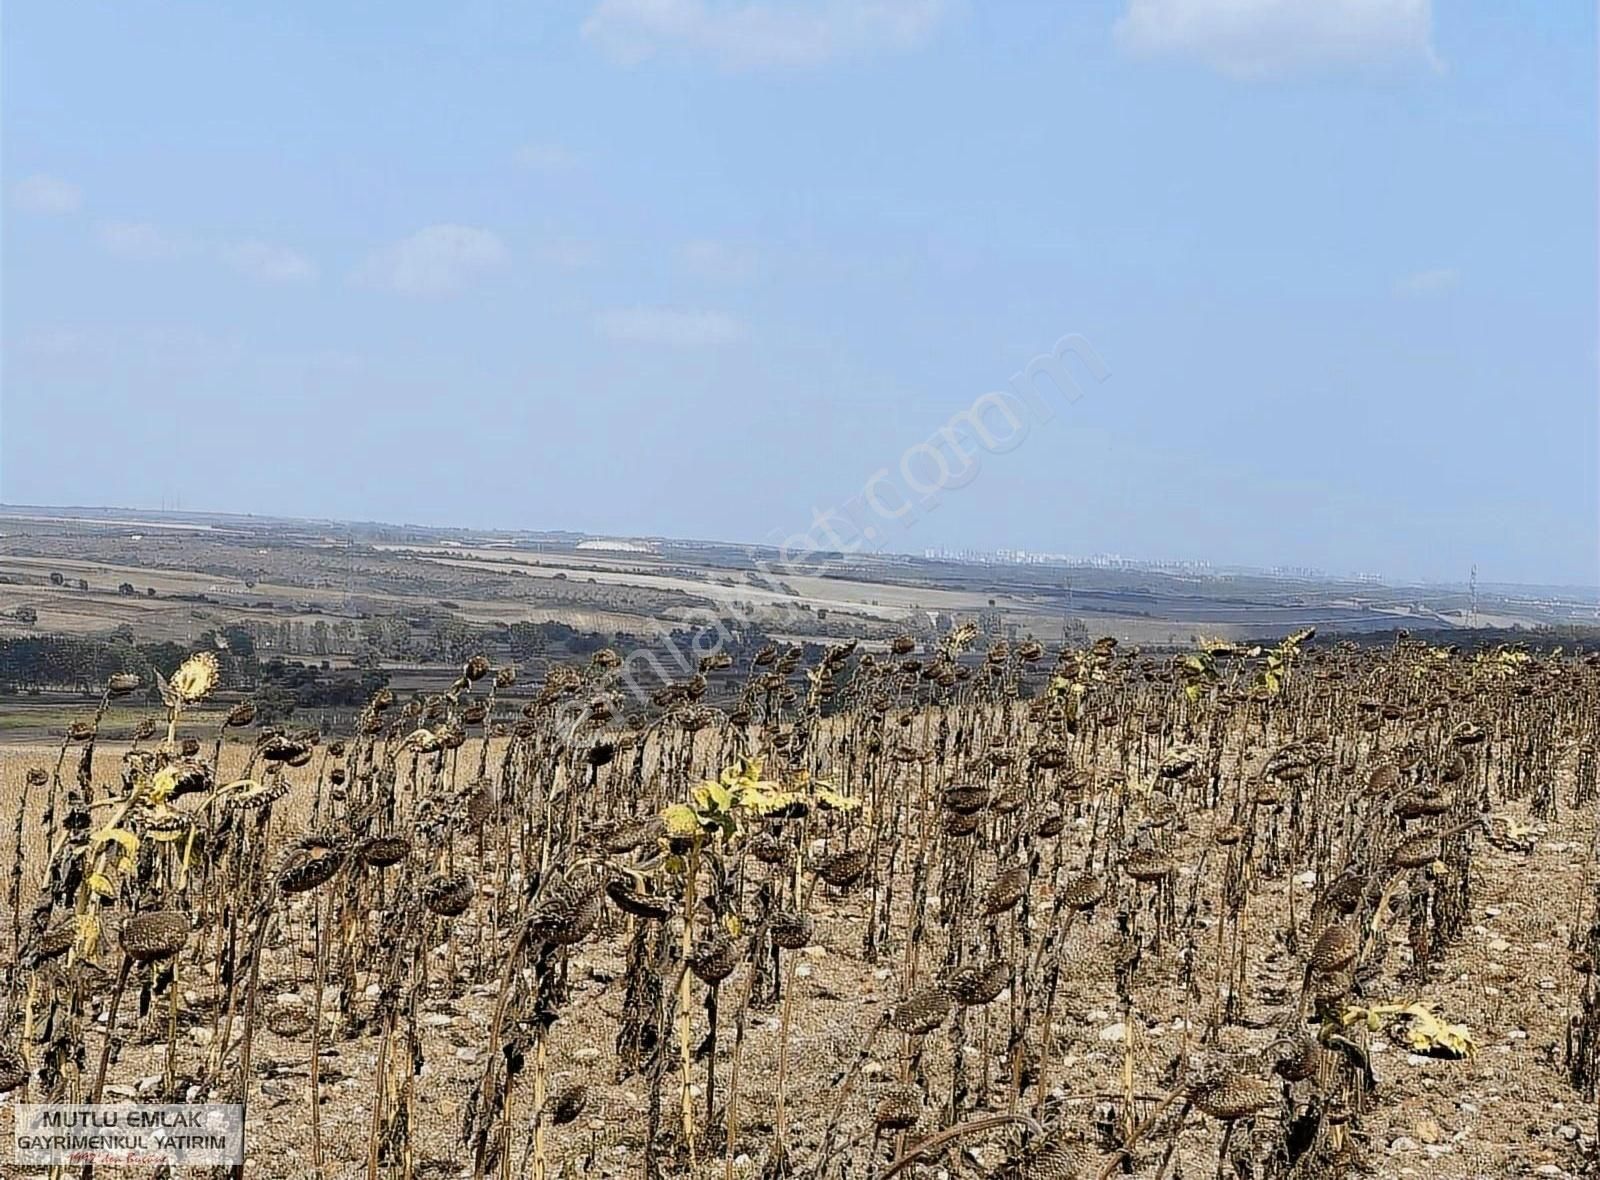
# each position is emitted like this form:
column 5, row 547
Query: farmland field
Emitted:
column 1300, row 910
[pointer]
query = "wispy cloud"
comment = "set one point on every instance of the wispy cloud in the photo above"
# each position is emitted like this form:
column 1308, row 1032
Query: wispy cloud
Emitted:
column 436, row 260
column 761, row 34
column 674, row 327
column 78, row 349
column 723, row 262
column 48, row 195
column 1427, row 282
column 267, row 263
column 549, row 158
column 1253, row 39
column 139, row 241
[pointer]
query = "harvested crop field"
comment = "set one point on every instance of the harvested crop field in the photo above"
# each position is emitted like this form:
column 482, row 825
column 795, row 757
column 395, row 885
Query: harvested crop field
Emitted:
column 1308, row 911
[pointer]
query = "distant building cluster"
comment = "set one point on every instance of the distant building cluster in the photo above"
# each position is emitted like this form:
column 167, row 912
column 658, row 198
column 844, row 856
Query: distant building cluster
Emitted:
column 1115, row 561
column 1092, row 561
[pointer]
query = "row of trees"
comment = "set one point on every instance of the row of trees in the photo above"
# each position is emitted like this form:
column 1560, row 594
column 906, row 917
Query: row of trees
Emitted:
column 64, row 663
column 126, row 589
column 70, row 663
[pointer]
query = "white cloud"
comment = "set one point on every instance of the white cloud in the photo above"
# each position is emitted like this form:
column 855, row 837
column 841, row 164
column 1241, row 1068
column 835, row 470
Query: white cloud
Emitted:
column 761, row 34
column 437, row 260
column 267, row 263
column 1428, row 282
column 670, row 326
column 140, row 241
column 1253, row 39
column 724, row 262
column 46, row 194
column 549, row 158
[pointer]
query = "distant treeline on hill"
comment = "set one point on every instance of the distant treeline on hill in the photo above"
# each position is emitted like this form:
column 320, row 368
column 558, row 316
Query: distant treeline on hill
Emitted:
column 35, row 664
column 1569, row 637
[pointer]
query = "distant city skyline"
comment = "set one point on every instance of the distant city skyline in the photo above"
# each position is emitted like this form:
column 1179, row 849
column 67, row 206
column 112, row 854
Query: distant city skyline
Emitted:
column 708, row 267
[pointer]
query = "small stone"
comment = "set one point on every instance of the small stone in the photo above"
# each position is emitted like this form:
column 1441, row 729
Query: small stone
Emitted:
column 1402, row 1143
column 1114, row 1032
column 1429, row 1131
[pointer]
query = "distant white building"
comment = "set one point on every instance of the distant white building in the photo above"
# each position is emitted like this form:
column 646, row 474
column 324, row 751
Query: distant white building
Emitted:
column 610, row 546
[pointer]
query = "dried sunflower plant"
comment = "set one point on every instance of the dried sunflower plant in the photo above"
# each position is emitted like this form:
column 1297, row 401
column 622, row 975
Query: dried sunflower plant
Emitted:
column 953, row 904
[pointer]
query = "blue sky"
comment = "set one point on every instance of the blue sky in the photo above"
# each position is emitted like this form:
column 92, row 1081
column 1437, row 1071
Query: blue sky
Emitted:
column 700, row 268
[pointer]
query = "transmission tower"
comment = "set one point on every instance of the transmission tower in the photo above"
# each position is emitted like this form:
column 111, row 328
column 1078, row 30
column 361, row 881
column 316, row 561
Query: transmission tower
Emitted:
column 1472, row 612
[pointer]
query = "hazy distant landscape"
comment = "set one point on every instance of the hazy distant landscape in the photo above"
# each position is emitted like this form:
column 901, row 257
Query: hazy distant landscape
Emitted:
column 409, row 601
column 452, row 853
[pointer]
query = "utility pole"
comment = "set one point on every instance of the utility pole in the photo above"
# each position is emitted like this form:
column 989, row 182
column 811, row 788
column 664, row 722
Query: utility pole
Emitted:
column 1472, row 613
column 349, row 567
